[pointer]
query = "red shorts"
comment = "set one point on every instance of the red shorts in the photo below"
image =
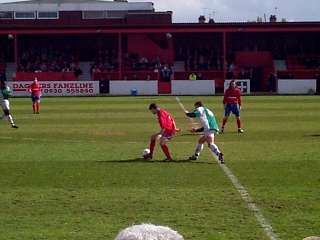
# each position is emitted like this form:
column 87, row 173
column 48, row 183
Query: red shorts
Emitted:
column 168, row 133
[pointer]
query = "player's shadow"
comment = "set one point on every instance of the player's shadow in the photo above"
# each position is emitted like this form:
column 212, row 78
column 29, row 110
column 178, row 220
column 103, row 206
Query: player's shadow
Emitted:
column 315, row 135
column 138, row 160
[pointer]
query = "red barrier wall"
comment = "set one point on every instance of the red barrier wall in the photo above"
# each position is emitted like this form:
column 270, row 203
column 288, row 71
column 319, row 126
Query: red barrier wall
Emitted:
column 150, row 45
column 129, row 75
column 45, row 76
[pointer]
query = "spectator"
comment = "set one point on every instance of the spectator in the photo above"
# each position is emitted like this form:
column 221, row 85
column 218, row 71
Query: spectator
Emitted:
column 230, row 74
column 155, row 59
column 199, row 76
column 232, row 66
column 135, row 77
column 272, row 81
column 317, row 77
column 158, row 67
column 166, row 73
column 192, row 77
column 242, row 74
column 65, row 69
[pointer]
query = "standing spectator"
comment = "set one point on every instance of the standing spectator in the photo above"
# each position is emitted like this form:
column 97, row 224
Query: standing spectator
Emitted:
column 230, row 74
column 242, row 74
column 166, row 73
column 210, row 129
column 35, row 91
column 192, row 77
column 5, row 105
column 199, row 76
column 317, row 77
column 272, row 81
column 232, row 103
column 167, row 131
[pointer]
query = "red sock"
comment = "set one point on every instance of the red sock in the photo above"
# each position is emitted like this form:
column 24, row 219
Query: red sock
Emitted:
column 152, row 147
column 239, row 122
column 165, row 149
column 224, row 121
column 34, row 107
column 38, row 107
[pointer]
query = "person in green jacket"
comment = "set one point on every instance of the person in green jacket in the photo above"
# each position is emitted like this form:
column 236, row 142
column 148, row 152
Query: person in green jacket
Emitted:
column 210, row 129
column 192, row 77
column 4, row 99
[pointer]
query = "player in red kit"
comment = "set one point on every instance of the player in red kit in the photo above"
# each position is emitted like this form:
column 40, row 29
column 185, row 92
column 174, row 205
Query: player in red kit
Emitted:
column 167, row 131
column 232, row 103
column 35, row 91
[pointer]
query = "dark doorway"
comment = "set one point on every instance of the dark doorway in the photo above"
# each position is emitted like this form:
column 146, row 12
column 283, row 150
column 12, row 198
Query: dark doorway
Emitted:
column 256, row 79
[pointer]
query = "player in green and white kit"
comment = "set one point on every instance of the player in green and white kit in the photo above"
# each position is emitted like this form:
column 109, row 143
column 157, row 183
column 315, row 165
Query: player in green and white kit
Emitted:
column 4, row 96
column 210, row 129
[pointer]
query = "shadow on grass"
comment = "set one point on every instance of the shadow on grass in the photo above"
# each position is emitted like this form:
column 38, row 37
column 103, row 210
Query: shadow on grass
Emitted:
column 137, row 160
column 315, row 135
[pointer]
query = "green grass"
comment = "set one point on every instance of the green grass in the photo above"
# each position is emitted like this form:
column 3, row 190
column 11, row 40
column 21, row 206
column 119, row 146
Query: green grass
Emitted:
column 75, row 172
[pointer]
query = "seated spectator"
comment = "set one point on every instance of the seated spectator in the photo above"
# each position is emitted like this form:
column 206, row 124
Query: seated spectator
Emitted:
column 101, row 67
column 155, row 59
column 43, row 67
column 95, row 69
column 143, row 62
column 65, row 69
column 158, row 67
column 232, row 66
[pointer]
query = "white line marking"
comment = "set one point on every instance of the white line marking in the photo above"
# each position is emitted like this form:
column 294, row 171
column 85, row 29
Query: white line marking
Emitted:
column 246, row 197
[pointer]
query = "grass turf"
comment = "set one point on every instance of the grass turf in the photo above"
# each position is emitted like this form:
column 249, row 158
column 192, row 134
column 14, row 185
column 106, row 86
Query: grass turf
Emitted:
column 75, row 172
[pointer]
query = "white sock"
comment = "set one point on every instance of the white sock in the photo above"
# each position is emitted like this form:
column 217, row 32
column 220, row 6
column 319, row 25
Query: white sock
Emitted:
column 10, row 119
column 198, row 149
column 214, row 148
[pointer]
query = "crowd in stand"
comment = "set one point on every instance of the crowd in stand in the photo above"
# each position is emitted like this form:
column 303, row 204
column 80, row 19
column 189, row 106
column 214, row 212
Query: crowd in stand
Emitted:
column 134, row 62
column 203, row 58
column 105, row 60
column 196, row 58
column 47, row 59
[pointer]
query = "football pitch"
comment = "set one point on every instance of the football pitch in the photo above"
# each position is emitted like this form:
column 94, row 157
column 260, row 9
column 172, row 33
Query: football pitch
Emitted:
column 75, row 171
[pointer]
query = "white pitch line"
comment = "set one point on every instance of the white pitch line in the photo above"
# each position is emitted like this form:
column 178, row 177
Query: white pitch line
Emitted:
column 246, row 197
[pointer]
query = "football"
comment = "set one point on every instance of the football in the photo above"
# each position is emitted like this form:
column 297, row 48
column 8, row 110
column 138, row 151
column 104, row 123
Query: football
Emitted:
column 145, row 152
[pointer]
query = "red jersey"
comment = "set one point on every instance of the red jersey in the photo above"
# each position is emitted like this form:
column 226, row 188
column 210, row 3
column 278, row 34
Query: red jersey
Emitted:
column 35, row 89
column 232, row 96
column 166, row 121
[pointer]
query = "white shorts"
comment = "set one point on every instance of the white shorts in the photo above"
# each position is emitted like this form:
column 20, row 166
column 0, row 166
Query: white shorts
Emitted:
column 210, row 133
column 5, row 105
